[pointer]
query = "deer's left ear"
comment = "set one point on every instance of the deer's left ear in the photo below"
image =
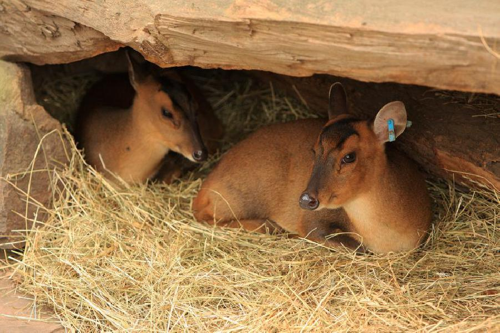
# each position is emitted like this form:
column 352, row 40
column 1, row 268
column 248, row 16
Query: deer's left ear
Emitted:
column 337, row 104
column 390, row 121
column 136, row 72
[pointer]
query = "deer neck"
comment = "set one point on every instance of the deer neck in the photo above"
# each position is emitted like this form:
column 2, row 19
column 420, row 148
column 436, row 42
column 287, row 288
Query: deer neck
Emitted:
column 379, row 213
column 142, row 154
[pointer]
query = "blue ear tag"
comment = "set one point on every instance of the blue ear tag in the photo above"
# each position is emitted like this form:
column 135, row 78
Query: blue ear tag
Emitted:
column 390, row 127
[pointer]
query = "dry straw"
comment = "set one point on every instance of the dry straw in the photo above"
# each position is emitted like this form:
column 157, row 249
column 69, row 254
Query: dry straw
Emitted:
column 133, row 259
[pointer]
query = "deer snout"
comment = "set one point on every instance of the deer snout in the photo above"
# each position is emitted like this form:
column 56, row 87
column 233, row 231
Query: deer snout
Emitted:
column 309, row 202
column 200, row 155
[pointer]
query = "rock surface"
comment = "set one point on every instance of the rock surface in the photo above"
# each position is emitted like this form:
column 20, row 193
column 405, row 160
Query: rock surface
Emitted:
column 30, row 146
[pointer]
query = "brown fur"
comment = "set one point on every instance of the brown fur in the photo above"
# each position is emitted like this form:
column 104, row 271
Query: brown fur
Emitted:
column 124, row 131
column 380, row 200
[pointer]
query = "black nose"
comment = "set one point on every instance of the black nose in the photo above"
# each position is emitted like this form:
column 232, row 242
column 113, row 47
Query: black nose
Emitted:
column 308, row 202
column 200, row 155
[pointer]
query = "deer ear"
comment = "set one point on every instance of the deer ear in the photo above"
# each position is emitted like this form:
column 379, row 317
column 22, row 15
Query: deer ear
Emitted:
column 390, row 121
column 136, row 72
column 338, row 100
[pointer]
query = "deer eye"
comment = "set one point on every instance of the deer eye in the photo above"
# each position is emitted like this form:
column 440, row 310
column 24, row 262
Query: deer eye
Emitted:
column 167, row 114
column 349, row 158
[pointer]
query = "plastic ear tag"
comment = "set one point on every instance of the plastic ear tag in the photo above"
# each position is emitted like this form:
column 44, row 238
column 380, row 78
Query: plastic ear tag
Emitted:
column 390, row 127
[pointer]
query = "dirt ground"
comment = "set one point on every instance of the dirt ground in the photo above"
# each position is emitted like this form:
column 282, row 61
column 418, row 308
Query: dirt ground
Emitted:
column 16, row 315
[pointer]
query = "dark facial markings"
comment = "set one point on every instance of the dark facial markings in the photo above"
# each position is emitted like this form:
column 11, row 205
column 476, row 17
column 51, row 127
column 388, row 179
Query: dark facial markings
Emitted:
column 344, row 137
column 339, row 131
column 331, row 139
column 336, row 134
column 179, row 94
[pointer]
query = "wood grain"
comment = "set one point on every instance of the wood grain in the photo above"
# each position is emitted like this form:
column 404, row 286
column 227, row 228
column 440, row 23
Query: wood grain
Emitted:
column 433, row 43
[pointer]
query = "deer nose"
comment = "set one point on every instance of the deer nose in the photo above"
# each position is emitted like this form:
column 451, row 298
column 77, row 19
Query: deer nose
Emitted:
column 200, row 155
column 308, row 202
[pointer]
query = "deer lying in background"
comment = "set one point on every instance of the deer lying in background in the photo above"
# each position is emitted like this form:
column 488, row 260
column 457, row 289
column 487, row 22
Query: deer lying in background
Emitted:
column 315, row 180
column 128, row 126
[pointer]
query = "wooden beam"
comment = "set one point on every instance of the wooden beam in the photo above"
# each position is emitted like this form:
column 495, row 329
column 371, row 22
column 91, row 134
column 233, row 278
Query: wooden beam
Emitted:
column 30, row 35
column 443, row 44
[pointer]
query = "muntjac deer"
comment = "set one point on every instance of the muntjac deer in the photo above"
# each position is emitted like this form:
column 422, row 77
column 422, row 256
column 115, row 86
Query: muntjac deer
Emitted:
column 316, row 180
column 128, row 126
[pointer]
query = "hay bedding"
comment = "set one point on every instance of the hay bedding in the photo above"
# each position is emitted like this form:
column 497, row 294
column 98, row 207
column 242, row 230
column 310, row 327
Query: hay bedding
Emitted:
column 134, row 259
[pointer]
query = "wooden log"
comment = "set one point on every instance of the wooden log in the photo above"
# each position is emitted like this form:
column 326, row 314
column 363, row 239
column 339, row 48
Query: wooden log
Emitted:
column 454, row 135
column 30, row 147
column 442, row 44
column 27, row 34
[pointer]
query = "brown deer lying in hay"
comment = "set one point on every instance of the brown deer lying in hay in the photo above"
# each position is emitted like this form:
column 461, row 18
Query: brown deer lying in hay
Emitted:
column 316, row 180
column 127, row 126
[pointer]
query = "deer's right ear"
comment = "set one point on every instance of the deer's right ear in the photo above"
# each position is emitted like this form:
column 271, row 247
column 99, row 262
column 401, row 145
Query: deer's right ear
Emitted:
column 136, row 72
column 338, row 100
column 390, row 122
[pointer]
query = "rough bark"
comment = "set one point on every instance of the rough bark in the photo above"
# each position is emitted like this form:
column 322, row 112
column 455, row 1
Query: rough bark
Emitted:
column 25, row 159
column 30, row 35
column 451, row 139
column 433, row 43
